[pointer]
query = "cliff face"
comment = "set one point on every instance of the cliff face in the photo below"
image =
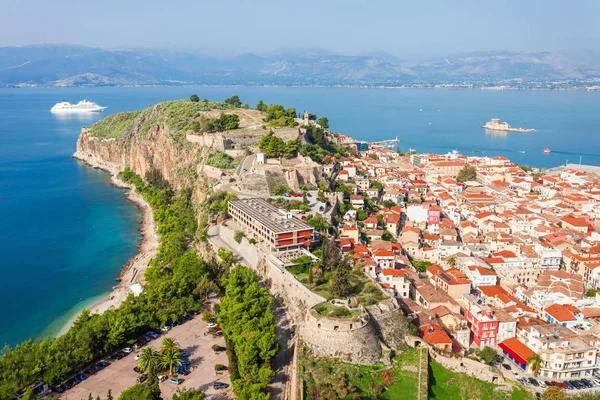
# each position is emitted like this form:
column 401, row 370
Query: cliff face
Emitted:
column 156, row 149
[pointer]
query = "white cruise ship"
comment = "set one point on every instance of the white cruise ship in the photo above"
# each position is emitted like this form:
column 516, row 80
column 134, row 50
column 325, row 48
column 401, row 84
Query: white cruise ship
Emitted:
column 83, row 106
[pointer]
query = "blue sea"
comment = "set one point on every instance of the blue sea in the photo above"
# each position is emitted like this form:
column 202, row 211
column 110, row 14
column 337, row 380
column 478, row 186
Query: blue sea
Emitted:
column 65, row 232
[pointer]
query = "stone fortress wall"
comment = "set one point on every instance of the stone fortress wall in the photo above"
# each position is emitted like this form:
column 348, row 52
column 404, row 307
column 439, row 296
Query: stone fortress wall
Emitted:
column 358, row 340
column 352, row 340
column 236, row 140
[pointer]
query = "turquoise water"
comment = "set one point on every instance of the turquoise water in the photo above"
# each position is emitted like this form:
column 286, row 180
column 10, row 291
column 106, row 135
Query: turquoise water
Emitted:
column 65, row 232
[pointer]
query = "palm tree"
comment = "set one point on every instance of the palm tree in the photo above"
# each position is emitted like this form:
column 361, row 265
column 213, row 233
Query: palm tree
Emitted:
column 148, row 360
column 169, row 344
column 451, row 261
column 170, row 358
column 535, row 363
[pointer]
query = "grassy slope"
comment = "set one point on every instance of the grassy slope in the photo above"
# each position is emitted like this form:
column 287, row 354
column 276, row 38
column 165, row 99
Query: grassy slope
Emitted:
column 334, row 378
column 447, row 385
column 178, row 116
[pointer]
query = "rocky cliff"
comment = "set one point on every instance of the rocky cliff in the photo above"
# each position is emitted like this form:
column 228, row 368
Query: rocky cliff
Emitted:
column 142, row 140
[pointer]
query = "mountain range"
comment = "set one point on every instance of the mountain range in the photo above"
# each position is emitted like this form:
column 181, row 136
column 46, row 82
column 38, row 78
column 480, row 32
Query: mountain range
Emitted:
column 73, row 65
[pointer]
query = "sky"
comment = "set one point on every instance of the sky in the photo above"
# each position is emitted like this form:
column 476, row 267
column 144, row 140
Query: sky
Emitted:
column 403, row 28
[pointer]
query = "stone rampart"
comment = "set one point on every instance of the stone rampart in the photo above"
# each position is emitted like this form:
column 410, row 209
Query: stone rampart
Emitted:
column 460, row 364
column 246, row 138
column 390, row 323
column 470, row 367
column 297, row 298
column 351, row 340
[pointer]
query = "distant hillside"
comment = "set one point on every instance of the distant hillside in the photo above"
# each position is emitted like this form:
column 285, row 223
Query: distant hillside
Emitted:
column 69, row 65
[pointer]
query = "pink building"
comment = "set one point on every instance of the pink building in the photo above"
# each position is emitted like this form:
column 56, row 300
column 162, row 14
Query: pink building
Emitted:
column 433, row 215
column 482, row 322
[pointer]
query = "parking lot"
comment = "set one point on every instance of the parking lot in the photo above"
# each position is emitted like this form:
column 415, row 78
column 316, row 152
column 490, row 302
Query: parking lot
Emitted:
column 119, row 375
column 538, row 384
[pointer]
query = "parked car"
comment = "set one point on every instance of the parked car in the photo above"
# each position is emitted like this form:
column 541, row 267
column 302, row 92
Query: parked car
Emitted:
column 162, row 378
column 185, row 372
column 526, row 380
column 103, row 364
column 142, row 378
column 506, row 366
column 81, row 377
column 175, row 380
column 211, row 325
column 220, row 385
column 127, row 350
column 587, row 383
column 137, row 369
column 59, row 389
column 543, row 384
column 118, row 355
column 534, row 382
column 183, row 353
column 596, row 381
column 516, row 374
column 165, row 328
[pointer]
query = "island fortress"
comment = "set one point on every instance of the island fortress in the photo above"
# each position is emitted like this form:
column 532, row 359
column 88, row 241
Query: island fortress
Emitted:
column 496, row 125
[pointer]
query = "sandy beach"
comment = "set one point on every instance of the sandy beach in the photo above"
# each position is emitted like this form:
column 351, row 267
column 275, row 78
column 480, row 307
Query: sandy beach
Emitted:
column 133, row 271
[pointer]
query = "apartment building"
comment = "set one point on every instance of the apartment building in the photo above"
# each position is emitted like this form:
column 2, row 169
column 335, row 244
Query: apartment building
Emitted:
column 267, row 224
column 482, row 322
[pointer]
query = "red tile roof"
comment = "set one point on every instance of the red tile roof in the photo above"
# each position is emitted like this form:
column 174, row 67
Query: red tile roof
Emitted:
column 517, row 350
column 435, row 334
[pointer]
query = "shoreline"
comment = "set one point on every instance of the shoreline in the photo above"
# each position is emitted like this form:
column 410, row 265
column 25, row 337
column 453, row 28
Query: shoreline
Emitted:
column 133, row 270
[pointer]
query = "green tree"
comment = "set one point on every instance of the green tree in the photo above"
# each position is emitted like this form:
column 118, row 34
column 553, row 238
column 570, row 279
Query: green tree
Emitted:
column 170, row 358
column 591, row 292
column 234, row 101
column 205, row 286
column 238, row 236
column 109, row 395
column 388, row 203
column 188, row 394
column 276, row 147
column 264, row 141
column 291, row 147
column 323, row 122
column 339, row 284
column 148, row 361
column 535, row 363
column 317, row 221
column 194, row 98
column 226, row 257
column 361, row 214
column 553, row 393
column 168, row 344
column 246, row 106
column 280, row 189
column 246, row 317
column 261, row 106
column 488, row 354
column 468, row 173
column 140, row 391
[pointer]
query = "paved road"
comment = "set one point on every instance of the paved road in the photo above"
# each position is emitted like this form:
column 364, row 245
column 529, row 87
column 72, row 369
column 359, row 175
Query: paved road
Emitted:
column 120, row 375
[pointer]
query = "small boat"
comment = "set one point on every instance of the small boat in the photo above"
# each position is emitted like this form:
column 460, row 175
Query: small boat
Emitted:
column 522, row 151
column 546, row 150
